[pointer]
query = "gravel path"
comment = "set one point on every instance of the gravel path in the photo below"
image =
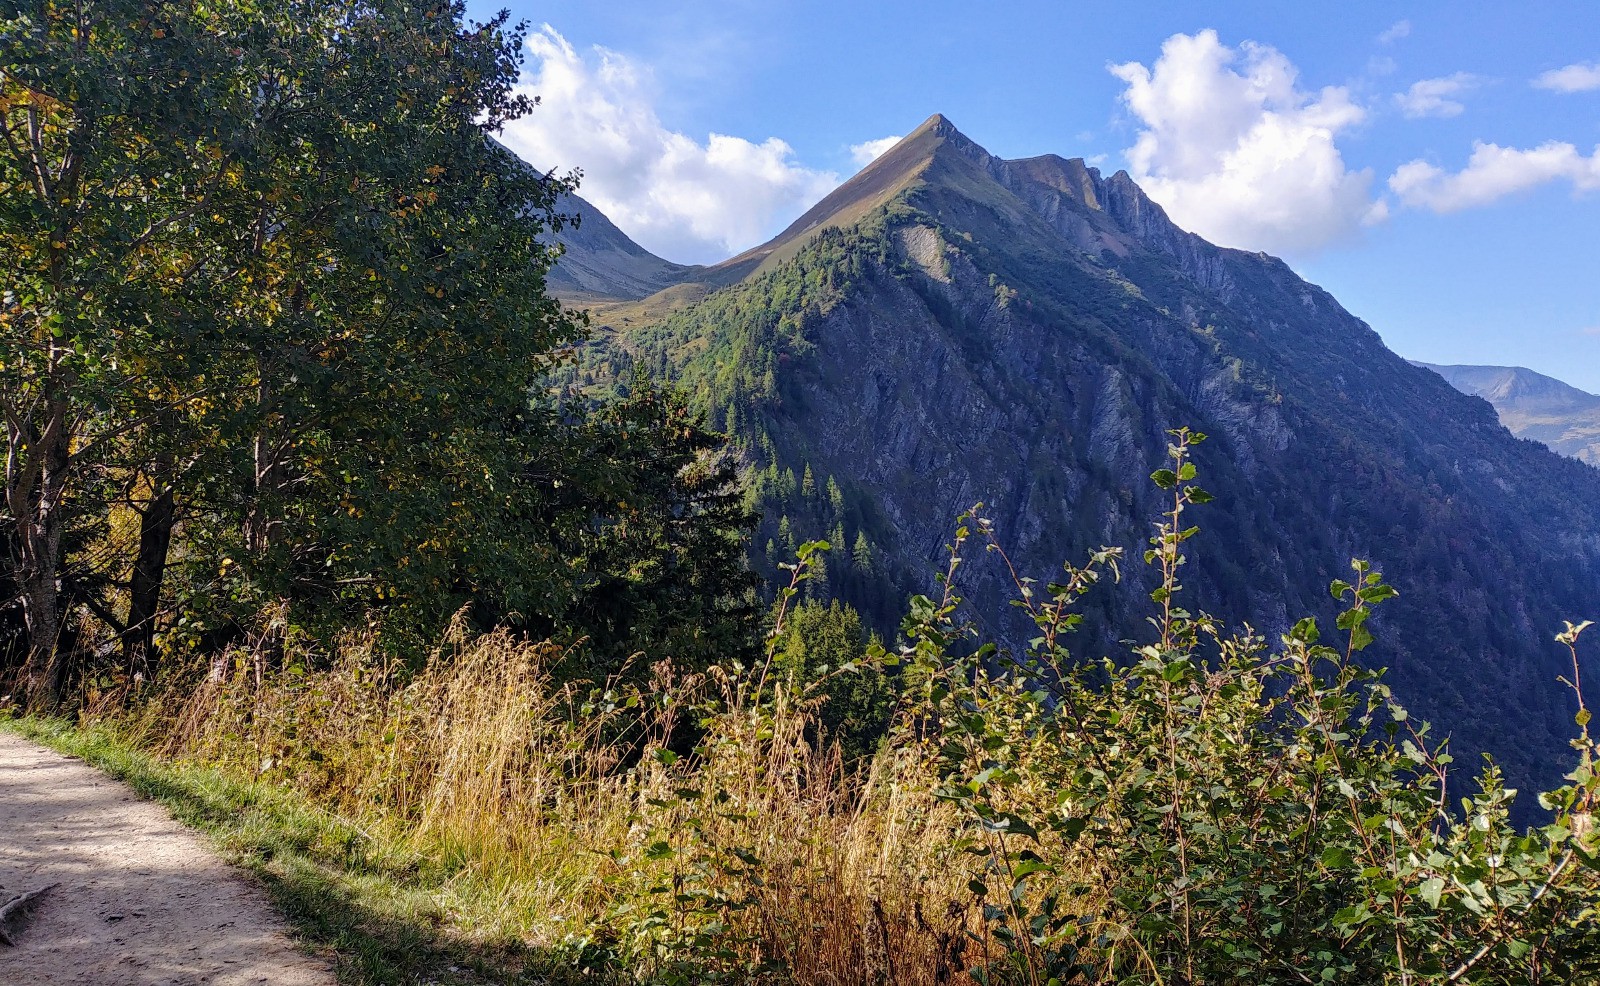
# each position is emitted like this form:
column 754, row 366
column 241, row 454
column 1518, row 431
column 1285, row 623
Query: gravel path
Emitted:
column 141, row 899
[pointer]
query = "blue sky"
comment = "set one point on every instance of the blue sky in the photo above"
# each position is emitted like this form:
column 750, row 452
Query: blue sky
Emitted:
column 1436, row 166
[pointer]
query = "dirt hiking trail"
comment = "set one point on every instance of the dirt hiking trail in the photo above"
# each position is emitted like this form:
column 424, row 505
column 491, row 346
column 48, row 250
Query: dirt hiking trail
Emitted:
column 141, row 899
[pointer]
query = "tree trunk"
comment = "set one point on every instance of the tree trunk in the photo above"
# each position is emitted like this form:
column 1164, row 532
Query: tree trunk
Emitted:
column 45, row 673
column 262, row 524
column 156, row 522
column 41, row 520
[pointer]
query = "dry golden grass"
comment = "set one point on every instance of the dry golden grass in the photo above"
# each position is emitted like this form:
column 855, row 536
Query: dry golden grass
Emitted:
column 564, row 821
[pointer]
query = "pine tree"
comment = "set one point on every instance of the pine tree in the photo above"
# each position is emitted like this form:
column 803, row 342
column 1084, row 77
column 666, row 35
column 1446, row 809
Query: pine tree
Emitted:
column 836, row 501
column 817, row 587
column 861, row 555
column 808, row 484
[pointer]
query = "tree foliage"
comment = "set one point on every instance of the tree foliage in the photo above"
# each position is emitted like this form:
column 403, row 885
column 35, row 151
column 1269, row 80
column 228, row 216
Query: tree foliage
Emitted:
column 824, row 648
column 278, row 324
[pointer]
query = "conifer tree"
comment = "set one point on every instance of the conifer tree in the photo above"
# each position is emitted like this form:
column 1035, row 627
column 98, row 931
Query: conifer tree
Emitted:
column 835, row 501
column 861, row 554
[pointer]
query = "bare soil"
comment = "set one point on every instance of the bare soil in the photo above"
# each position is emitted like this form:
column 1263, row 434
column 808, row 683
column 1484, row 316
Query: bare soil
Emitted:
column 141, row 899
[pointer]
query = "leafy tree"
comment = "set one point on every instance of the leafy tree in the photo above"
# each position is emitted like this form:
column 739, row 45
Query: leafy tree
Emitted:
column 275, row 280
column 113, row 117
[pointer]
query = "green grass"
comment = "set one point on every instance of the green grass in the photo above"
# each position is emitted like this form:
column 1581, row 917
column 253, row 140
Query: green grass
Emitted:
column 386, row 917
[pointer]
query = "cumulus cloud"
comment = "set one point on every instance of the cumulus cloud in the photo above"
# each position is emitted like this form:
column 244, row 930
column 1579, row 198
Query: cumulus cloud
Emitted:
column 869, row 151
column 1395, row 32
column 1573, row 78
column 1492, row 173
column 1431, row 97
column 686, row 199
column 1236, row 152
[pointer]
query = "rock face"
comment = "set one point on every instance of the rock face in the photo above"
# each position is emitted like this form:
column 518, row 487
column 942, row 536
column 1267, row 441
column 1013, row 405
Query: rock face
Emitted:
column 949, row 327
column 1534, row 406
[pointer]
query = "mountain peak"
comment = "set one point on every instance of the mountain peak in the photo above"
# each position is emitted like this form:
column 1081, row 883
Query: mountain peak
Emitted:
column 1517, row 387
column 939, row 124
column 886, row 176
column 938, row 132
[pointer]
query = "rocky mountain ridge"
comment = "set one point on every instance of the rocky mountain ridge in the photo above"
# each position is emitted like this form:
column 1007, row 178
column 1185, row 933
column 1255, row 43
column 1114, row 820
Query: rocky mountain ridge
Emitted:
column 950, row 327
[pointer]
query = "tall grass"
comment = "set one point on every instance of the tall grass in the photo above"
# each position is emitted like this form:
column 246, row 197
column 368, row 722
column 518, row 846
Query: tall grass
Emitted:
column 563, row 818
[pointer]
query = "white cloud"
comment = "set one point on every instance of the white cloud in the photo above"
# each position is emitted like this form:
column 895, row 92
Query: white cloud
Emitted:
column 1573, row 78
column 868, row 151
column 1243, row 157
column 1492, row 173
column 1379, row 65
column 1431, row 97
column 682, row 198
column 1395, row 31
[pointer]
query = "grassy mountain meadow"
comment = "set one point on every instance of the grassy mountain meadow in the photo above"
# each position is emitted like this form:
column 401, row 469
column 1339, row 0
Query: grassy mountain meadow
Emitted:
column 984, row 581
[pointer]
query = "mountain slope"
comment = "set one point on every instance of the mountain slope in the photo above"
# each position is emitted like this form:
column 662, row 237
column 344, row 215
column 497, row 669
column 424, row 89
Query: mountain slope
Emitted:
column 1534, row 406
column 950, row 327
column 599, row 261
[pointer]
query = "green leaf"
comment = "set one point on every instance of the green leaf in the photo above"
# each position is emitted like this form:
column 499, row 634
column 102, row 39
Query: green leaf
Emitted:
column 1028, row 868
column 1430, row 890
column 1164, row 478
column 1373, row 594
column 1306, row 631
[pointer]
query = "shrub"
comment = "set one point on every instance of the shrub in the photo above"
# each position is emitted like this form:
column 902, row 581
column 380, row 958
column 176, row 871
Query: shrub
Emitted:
column 1215, row 810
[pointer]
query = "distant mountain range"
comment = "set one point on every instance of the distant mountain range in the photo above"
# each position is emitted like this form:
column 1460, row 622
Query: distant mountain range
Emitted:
column 1534, row 406
column 950, row 327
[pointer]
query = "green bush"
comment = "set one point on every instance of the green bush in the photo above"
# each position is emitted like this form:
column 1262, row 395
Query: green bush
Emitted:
column 1217, row 810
